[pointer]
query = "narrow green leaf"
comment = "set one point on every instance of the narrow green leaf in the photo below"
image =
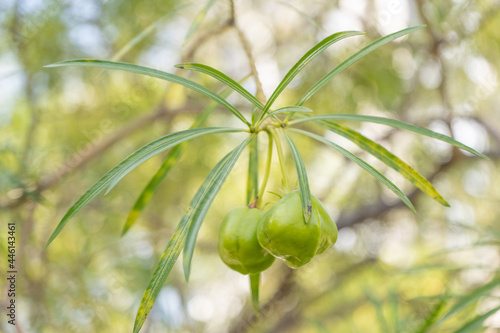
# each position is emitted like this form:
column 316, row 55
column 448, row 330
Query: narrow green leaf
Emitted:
column 287, row 109
column 310, row 55
column 253, row 171
column 202, row 208
column 475, row 324
column 147, row 193
column 375, row 173
column 394, row 307
column 198, row 20
column 216, row 74
column 432, row 316
column 165, row 265
column 157, row 146
column 388, row 158
column 305, row 191
column 172, row 158
column 144, row 33
column 355, row 57
column 379, row 311
column 469, row 298
column 153, row 73
column 254, row 289
column 132, row 161
column 304, row 15
column 196, row 210
column 392, row 123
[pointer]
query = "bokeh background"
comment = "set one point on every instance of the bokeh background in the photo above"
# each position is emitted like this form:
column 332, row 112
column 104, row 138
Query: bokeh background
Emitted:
column 61, row 129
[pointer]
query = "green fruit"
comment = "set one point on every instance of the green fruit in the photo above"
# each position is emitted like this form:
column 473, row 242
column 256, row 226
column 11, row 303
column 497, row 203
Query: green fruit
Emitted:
column 284, row 233
column 329, row 230
column 238, row 245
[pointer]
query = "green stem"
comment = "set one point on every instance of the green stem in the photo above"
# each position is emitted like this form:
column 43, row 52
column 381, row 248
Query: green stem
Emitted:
column 267, row 171
column 254, row 288
column 253, row 171
column 281, row 158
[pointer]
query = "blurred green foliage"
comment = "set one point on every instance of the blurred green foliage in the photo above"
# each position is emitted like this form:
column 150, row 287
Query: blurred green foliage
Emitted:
column 391, row 271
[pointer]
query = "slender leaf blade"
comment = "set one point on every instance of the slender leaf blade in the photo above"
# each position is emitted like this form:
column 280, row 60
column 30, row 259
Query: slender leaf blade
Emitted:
column 305, row 191
column 165, row 265
column 362, row 164
column 147, row 193
column 393, row 123
column 307, row 58
column 286, row 109
column 157, row 146
column 172, row 158
column 476, row 323
column 216, row 74
column 198, row 20
column 304, row 15
column 379, row 311
column 469, row 298
column 432, row 316
column 389, row 159
column 202, row 208
column 153, row 73
column 355, row 57
column 132, row 161
column 197, row 209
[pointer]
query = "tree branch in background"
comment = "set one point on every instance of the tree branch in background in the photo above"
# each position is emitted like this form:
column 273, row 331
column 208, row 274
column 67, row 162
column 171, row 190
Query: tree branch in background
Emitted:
column 199, row 40
column 81, row 158
column 248, row 52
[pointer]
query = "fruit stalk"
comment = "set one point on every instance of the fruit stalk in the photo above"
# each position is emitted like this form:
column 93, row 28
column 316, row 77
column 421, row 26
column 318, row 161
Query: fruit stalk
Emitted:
column 267, row 171
column 281, row 158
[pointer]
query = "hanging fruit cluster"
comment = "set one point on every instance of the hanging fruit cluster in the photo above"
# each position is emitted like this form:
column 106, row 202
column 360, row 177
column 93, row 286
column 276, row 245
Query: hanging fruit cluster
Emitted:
column 250, row 238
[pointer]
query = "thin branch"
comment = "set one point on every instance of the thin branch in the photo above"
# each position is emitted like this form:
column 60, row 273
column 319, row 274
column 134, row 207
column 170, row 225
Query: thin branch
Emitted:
column 81, row 158
column 248, row 51
column 199, row 40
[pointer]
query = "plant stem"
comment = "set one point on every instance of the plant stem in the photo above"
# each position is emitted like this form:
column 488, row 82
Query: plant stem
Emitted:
column 253, row 171
column 281, row 158
column 248, row 51
column 267, row 171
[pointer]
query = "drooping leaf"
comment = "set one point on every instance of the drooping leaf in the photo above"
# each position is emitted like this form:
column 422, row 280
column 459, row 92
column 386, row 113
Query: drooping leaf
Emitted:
column 201, row 209
column 196, row 210
column 310, row 55
column 216, row 74
column 362, row 164
column 305, row 191
column 392, row 123
column 172, row 158
column 153, row 73
column 198, row 20
column 389, row 159
column 132, row 161
column 254, row 290
column 352, row 59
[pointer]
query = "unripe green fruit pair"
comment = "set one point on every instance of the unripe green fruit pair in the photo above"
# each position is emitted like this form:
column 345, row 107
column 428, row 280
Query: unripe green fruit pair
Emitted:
column 249, row 239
